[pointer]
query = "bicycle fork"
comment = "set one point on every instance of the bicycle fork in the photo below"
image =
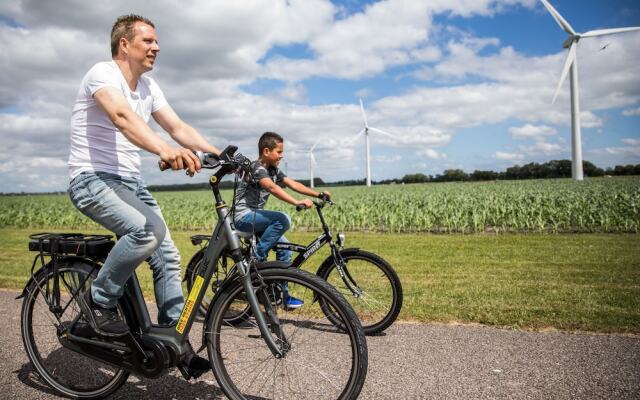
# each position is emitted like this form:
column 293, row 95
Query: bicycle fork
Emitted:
column 267, row 329
column 343, row 271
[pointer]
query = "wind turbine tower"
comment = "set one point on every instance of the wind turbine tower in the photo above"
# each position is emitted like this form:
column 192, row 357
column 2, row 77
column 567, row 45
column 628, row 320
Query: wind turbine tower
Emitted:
column 312, row 162
column 366, row 130
column 571, row 64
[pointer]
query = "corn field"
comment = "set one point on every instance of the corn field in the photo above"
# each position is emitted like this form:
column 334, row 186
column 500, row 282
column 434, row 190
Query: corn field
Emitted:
column 595, row 205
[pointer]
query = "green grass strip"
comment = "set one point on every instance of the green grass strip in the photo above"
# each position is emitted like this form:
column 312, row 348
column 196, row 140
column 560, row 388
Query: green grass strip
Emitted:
column 568, row 282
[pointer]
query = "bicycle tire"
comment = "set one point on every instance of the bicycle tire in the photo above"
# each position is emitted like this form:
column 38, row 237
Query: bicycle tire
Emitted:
column 381, row 301
column 68, row 373
column 225, row 263
column 245, row 368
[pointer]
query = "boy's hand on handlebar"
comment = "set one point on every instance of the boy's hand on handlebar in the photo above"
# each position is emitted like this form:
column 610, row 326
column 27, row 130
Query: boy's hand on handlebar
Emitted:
column 324, row 196
column 302, row 204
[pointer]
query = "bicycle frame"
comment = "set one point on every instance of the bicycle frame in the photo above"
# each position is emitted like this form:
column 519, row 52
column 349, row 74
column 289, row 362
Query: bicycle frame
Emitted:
column 224, row 237
column 167, row 343
column 307, row 251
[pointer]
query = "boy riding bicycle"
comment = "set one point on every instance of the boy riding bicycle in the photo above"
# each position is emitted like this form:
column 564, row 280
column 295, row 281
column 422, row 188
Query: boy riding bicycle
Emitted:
column 252, row 195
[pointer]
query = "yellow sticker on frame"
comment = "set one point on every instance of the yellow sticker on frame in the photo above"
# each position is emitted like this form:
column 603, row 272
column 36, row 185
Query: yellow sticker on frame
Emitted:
column 190, row 304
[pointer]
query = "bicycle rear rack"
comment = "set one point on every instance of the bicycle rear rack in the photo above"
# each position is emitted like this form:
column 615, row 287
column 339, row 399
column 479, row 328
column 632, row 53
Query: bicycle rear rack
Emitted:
column 55, row 245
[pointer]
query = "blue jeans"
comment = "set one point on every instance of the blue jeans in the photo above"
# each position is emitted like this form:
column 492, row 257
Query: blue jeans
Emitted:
column 272, row 225
column 124, row 206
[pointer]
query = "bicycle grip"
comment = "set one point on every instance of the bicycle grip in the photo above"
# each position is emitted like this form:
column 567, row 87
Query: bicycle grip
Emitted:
column 300, row 207
column 163, row 166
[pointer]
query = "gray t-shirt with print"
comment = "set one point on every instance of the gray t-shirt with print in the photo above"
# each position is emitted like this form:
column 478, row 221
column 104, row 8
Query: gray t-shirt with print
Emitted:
column 250, row 195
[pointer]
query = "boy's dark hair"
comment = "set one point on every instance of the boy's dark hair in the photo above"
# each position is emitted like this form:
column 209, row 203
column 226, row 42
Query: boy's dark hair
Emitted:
column 269, row 140
column 123, row 28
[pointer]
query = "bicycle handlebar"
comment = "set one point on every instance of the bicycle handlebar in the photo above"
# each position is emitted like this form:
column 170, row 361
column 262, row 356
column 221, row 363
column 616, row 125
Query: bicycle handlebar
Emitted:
column 227, row 158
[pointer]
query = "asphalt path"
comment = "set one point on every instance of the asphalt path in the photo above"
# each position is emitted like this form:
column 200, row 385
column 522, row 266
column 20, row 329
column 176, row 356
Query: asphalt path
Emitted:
column 410, row 361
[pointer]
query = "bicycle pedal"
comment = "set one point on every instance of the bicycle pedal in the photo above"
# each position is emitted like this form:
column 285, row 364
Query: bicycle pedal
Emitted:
column 184, row 372
column 188, row 372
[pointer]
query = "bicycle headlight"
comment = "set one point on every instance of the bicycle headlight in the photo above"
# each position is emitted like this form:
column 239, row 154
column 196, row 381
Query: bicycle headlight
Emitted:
column 341, row 239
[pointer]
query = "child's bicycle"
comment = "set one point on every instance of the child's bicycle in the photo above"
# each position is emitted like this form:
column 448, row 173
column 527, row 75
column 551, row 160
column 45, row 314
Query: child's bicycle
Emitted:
column 365, row 279
column 275, row 353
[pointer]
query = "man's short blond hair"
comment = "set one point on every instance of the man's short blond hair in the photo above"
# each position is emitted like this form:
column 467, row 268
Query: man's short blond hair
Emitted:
column 123, row 28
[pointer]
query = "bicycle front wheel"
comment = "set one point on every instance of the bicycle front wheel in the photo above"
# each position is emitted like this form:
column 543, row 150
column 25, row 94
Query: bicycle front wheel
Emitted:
column 67, row 372
column 369, row 284
column 321, row 361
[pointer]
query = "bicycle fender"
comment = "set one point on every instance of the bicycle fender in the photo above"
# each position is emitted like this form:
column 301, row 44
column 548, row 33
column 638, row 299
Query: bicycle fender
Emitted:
column 44, row 268
column 264, row 265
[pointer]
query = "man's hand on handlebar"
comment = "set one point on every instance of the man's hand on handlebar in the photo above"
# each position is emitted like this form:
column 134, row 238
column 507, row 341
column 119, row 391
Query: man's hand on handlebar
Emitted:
column 178, row 159
column 227, row 162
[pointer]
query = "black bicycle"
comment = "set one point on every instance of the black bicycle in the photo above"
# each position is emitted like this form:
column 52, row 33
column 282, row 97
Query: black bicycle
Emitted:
column 276, row 353
column 366, row 280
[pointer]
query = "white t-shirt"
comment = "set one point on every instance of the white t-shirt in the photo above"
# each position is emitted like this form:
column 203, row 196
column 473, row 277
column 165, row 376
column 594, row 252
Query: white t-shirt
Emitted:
column 96, row 144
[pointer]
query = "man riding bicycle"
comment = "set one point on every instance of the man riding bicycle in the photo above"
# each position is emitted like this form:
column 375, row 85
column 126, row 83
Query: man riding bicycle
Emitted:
column 108, row 129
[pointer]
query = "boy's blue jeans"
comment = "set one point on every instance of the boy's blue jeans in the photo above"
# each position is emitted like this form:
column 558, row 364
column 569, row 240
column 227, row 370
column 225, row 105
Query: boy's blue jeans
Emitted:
column 124, row 206
column 272, row 225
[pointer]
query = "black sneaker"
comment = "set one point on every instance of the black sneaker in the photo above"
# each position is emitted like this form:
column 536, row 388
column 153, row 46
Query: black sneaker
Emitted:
column 83, row 329
column 105, row 321
column 192, row 365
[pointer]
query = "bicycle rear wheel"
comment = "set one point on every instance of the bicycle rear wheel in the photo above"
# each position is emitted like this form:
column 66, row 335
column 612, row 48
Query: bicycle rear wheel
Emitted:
column 67, row 372
column 321, row 361
column 378, row 297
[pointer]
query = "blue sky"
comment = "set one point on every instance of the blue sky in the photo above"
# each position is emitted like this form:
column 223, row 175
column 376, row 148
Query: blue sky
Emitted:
column 460, row 84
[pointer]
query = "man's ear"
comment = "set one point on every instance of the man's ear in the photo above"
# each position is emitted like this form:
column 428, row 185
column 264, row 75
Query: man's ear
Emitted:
column 123, row 43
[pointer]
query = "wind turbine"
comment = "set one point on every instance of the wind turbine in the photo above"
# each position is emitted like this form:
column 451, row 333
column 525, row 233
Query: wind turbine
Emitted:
column 366, row 130
column 312, row 162
column 572, row 64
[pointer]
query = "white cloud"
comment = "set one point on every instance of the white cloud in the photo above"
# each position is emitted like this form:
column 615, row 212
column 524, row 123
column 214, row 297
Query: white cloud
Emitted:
column 631, row 141
column 529, row 131
column 401, row 30
column 293, row 92
column 619, row 151
column 548, row 149
column 386, row 159
column 631, row 112
column 431, row 153
column 619, row 155
column 632, row 151
column 364, row 93
column 500, row 155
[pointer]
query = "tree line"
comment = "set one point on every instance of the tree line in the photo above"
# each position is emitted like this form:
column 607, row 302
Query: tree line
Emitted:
column 549, row 170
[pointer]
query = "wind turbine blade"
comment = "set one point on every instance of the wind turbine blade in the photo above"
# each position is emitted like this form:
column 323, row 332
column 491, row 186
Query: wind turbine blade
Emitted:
column 352, row 141
column 602, row 32
column 313, row 159
column 561, row 21
column 382, row 132
column 567, row 64
column 314, row 145
column 364, row 116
